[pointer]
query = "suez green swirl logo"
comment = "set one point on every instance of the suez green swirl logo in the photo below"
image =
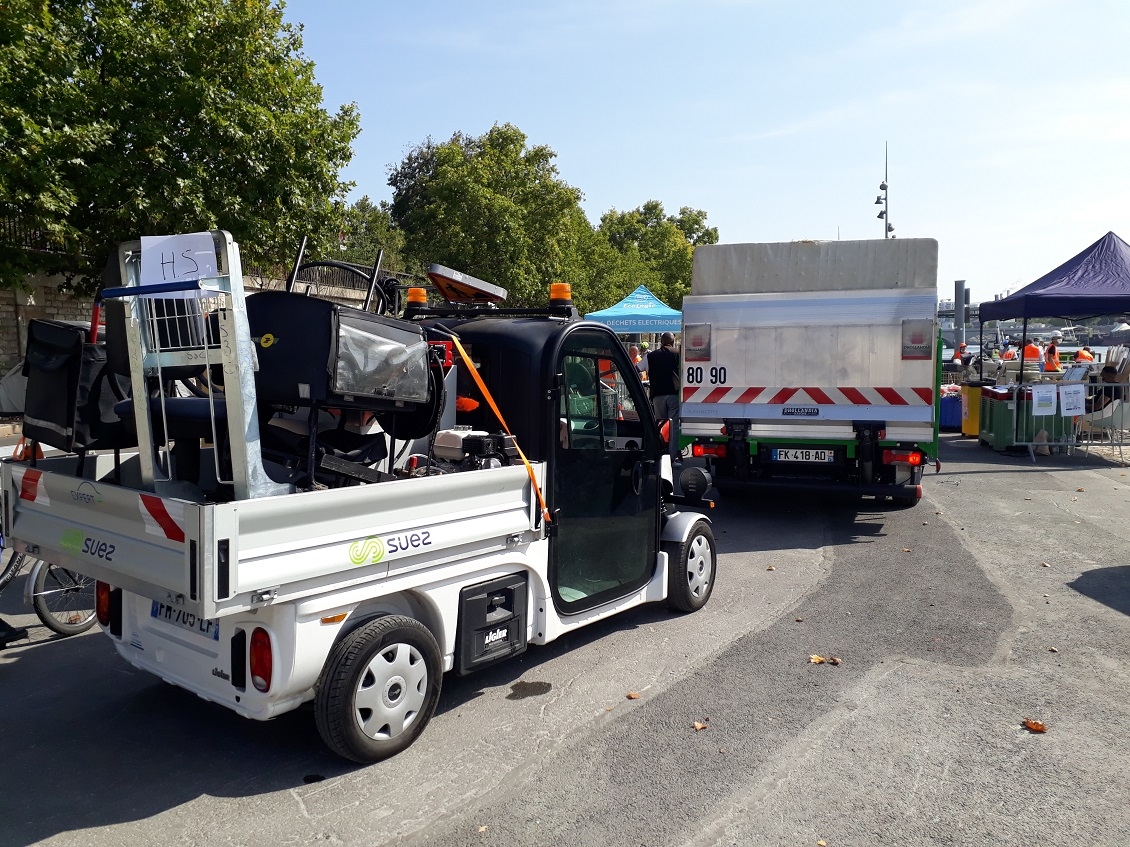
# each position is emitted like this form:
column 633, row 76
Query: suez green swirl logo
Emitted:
column 79, row 543
column 370, row 550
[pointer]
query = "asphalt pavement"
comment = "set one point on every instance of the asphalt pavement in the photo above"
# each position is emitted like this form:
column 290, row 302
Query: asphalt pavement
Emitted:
column 1003, row 596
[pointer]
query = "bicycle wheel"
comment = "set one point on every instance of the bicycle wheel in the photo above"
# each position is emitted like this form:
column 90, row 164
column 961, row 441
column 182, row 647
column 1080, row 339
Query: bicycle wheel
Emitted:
column 64, row 599
column 14, row 566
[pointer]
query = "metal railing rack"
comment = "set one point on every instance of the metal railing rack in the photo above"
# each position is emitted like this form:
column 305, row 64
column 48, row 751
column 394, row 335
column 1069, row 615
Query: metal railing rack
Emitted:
column 193, row 329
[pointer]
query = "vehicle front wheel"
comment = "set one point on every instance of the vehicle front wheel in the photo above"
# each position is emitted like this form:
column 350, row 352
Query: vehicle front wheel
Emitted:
column 379, row 689
column 691, row 569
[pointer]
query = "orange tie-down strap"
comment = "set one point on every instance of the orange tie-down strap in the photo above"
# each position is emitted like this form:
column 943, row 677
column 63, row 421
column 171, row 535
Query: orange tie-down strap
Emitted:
column 494, row 408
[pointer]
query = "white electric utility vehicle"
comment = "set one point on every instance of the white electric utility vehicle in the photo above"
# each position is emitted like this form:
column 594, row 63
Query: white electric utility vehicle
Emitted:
column 295, row 500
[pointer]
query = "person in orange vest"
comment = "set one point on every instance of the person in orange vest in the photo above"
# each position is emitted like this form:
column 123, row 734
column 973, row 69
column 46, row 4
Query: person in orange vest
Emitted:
column 1009, row 352
column 1051, row 353
column 1031, row 353
column 1085, row 355
column 959, row 354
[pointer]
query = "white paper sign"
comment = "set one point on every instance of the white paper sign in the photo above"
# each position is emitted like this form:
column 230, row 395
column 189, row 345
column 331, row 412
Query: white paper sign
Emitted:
column 1043, row 399
column 1073, row 399
column 177, row 258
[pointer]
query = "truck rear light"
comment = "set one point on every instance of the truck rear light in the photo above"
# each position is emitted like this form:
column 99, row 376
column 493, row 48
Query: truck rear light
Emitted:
column 102, row 602
column 708, row 450
column 902, row 457
column 262, row 664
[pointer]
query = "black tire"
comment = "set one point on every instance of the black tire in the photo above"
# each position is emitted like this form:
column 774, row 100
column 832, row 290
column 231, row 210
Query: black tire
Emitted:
column 64, row 599
column 391, row 663
column 692, row 566
column 14, row 566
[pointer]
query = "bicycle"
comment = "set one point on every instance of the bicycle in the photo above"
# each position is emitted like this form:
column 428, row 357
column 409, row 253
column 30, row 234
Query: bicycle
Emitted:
column 63, row 599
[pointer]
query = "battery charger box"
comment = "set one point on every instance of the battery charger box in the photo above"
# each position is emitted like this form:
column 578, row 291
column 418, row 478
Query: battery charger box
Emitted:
column 492, row 622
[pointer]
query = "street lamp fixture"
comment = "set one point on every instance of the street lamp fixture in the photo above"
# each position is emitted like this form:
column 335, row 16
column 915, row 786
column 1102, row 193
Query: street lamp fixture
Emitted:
column 883, row 200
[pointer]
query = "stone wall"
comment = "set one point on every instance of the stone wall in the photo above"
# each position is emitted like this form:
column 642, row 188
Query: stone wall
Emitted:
column 41, row 300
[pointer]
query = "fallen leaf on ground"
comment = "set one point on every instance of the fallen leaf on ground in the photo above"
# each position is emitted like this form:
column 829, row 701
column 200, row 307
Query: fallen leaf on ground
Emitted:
column 1080, row 489
column 770, row 568
column 925, row 523
column 816, row 660
column 1045, row 565
column 1053, row 649
column 1073, row 499
column 834, row 660
column 633, row 695
column 938, row 513
column 699, row 726
column 798, row 620
column 1027, row 498
column 906, row 549
column 821, row 844
column 1033, row 725
column 483, row 828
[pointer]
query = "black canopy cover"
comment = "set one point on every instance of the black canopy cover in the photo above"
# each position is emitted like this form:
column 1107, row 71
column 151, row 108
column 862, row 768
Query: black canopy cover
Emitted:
column 1096, row 282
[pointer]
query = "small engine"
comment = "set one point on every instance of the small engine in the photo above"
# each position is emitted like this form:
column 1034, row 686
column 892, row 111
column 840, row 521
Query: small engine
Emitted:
column 466, row 449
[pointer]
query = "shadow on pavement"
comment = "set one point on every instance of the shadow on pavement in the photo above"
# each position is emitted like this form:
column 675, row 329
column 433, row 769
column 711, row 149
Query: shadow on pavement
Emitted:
column 1109, row 586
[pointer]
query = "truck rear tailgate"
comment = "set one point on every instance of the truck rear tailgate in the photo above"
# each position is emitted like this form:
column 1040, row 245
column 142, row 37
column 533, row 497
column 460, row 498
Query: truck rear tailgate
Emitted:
column 134, row 540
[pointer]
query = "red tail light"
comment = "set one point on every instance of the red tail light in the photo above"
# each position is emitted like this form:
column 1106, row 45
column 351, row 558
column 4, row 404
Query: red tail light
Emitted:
column 708, row 450
column 102, row 602
column 902, row 457
column 262, row 664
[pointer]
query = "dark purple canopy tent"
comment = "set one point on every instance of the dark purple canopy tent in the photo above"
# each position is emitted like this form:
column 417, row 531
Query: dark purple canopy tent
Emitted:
column 1096, row 282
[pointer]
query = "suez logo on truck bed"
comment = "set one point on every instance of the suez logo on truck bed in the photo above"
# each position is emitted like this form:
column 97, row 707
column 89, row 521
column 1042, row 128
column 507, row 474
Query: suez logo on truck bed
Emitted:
column 370, row 550
column 77, row 542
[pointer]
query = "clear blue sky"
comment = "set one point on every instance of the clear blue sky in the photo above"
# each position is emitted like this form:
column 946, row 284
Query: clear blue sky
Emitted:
column 1008, row 121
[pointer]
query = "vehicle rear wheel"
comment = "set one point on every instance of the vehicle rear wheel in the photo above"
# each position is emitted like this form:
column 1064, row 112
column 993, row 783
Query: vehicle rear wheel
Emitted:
column 691, row 568
column 64, row 599
column 379, row 689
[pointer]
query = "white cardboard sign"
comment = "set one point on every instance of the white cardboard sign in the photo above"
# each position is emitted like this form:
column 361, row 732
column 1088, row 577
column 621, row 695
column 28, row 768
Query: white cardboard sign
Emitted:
column 177, row 258
column 1072, row 399
column 1043, row 399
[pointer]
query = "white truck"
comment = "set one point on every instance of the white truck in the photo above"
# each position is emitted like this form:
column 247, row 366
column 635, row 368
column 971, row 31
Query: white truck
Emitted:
column 814, row 364
column 270, row 556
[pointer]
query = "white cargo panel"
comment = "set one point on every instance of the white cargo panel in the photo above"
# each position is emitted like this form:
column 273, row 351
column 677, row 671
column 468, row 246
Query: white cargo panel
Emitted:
column 850, row 337
column 213, row 559
column 831, row 266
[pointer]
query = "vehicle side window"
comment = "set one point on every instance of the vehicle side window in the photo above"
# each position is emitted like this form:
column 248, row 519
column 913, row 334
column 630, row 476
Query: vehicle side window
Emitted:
column 598, row 403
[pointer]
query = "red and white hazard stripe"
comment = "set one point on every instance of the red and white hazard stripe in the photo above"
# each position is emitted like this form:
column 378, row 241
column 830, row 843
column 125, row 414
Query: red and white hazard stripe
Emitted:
column 839, row 396
column 31, row 485
column 163, row 518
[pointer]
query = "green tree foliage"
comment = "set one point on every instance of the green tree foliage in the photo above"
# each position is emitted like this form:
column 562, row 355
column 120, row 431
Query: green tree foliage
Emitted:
column 489, row 206
column 121, row 118
column 664, row 244
column 368, row 229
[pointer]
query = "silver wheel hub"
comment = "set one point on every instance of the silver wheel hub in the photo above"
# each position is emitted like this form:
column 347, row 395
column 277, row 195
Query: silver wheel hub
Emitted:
column 700, row 565
column 391, row 692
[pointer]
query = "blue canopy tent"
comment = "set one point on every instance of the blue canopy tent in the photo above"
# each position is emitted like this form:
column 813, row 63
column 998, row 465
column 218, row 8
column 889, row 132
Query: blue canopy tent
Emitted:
column 1096, row 282
column 640, row 311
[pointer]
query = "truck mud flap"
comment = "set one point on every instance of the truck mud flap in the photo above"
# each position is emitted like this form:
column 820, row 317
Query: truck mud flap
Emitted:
column 492, row 622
